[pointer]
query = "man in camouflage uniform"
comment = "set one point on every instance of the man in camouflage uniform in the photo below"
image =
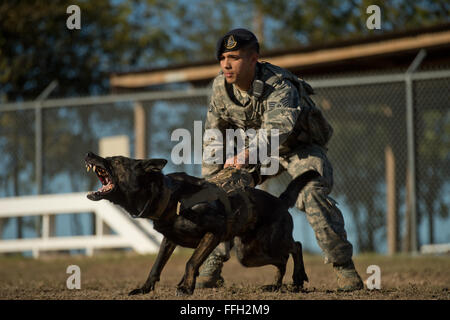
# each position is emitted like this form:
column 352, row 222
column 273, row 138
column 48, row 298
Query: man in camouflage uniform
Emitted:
column 276, row 102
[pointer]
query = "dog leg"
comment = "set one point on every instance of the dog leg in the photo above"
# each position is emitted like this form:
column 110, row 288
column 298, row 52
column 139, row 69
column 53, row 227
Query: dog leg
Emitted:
column 299, row 276
column 165, row 251
column 205, row 247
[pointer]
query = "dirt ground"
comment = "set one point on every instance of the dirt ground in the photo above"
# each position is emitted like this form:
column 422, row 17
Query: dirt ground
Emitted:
column 113, row 275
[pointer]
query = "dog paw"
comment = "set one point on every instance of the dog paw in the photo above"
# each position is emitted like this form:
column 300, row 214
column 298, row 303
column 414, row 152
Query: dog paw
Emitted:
column 295, row 288
column 271, row 288
column 135, row 292
column 142, row 290
column 183, row 291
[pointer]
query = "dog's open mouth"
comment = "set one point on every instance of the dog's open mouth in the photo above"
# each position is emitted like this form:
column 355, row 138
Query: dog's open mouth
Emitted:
column 104, row 177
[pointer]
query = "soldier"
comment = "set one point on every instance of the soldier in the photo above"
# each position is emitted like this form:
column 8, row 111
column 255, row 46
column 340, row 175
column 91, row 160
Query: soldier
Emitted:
column 252, row 94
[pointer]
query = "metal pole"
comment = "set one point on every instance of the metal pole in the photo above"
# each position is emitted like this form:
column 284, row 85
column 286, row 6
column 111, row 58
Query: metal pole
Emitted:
column 411, row 146
column 38, row 137
column 38, row 145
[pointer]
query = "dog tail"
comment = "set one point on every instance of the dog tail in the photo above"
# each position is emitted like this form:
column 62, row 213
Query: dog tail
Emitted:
column 290, row 195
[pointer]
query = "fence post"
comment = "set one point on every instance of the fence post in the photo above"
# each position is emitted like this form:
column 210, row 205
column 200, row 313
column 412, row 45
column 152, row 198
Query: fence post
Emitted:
column 140, row 131
column 392, row 220
column 98, row 226
column 45, row 226
column 38, row 134
column 38, row 142
column 412, row 205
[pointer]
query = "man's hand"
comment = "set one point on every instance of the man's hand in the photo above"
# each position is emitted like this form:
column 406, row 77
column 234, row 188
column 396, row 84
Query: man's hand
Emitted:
column 233, row 162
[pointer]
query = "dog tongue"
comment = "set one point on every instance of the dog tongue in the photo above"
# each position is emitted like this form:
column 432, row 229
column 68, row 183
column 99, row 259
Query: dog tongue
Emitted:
column 105, row 188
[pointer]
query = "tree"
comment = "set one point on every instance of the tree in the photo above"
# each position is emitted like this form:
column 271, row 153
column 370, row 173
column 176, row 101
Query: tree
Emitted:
column 36, row 46
column 294, row 23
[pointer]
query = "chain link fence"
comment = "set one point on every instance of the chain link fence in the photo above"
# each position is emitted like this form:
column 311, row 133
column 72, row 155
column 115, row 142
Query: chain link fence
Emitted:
column 368, row 152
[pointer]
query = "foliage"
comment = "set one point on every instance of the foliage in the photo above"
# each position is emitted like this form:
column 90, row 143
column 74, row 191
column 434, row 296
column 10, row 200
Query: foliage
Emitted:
column 36, row 46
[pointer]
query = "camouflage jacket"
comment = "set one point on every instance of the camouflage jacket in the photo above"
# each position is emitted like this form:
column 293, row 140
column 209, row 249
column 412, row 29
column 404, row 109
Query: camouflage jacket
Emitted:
column 278, row 107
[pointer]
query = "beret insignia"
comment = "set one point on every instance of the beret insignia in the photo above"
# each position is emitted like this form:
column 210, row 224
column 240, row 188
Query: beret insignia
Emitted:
column 231, row 43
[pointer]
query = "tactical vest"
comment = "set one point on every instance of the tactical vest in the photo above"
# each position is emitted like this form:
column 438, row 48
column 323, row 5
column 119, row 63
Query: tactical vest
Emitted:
column 311, row 126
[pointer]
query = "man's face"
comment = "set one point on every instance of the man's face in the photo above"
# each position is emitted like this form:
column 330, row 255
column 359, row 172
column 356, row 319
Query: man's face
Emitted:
column 238, row 67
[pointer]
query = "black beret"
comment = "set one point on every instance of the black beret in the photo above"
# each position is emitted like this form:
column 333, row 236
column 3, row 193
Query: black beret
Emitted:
column 234, row 40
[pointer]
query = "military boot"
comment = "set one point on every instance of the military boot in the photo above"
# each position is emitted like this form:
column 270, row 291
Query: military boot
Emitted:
column 210, row 274
column 347, row 277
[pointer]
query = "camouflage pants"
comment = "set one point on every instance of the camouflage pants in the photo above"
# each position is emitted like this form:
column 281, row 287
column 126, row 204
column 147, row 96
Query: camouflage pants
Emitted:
column 327, row 222
column 321, row 210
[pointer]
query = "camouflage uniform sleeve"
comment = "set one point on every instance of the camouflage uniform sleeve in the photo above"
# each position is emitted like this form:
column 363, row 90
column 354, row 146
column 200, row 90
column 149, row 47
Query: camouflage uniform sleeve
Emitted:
column 281, row 111
column 213, row 148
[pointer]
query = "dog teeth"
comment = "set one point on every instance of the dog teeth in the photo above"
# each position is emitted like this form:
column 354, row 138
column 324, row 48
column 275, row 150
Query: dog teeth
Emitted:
column 98, row 170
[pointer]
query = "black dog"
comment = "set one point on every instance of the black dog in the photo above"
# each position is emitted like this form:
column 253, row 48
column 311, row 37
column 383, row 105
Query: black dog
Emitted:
column 258, row 224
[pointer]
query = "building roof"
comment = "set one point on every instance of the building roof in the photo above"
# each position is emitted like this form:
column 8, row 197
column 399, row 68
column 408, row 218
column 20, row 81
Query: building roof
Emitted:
column 387, row 50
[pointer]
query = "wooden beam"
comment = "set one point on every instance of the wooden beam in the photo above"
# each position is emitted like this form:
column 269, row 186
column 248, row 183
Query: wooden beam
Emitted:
column 362, row 50
column 391, row 221
column 407, row 237
column 317, row 57
column 140, row 131
column 161, row 77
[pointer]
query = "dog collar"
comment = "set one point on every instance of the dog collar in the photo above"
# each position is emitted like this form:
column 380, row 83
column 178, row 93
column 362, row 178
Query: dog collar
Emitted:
column 162, row 203
column 143, row 210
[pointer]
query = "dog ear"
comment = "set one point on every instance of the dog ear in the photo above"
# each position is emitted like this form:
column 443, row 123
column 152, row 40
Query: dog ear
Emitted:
column 152, row 165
